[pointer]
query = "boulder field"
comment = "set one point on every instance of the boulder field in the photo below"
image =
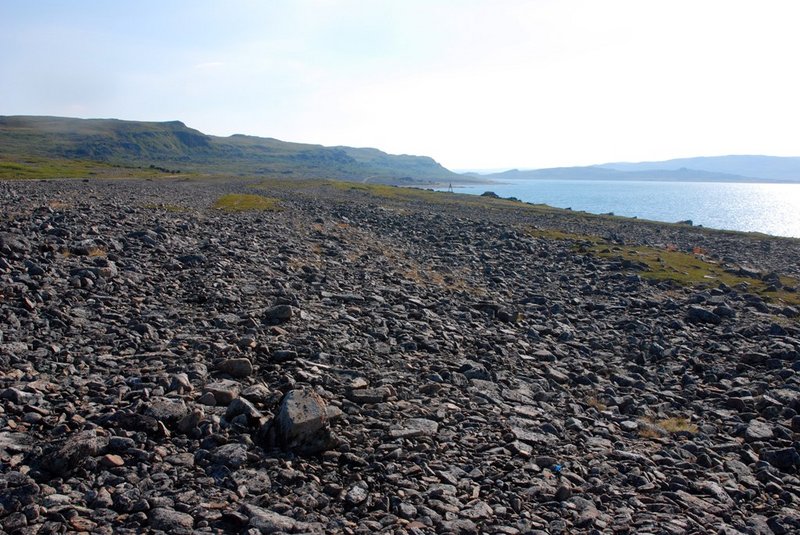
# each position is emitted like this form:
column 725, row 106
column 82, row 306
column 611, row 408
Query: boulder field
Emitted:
column 362, row 362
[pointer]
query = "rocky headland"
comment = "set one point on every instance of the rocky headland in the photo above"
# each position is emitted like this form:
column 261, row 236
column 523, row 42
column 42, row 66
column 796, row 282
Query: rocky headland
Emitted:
column 358, row 360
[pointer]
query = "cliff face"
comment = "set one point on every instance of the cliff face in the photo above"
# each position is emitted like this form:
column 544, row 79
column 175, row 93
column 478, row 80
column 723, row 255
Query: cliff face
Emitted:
column 174, row 145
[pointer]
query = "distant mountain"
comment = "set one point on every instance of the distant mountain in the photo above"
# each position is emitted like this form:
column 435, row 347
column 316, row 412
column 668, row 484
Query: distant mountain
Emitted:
column 703, row 169
column 173, row 145
column 764, row 167
column 603, row 173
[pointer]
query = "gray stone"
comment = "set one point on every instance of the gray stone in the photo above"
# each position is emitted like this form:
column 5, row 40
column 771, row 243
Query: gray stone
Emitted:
column 233, row 455
column 758, row 430
column 415, row 427
column 238, row 367
column 240, row 406
column 224, row 391
column 302, row 422
column 167, row 410
column 270, row 522
column 62, row 458
column 171, row 521
column 279, row 313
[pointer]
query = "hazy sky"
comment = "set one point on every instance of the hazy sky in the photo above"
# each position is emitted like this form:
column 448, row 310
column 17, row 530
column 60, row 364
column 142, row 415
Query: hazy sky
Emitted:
column 474, row 84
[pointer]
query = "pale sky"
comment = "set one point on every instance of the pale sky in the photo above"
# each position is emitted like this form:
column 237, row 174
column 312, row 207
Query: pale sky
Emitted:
column 473, row 84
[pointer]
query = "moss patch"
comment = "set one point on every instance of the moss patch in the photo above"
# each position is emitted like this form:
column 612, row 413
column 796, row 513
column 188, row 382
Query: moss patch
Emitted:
column 690, row 269
column 173, row 208
column 668, row 264
column 42, row 168
column 238, row 202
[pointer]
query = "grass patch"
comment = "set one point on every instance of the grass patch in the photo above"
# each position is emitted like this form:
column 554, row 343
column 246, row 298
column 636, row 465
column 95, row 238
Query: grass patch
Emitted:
column 669, row 264
column 41, row 168
column 656, row 428
column 173, row 208
column 677, row 425
column 239, row 202
column 401, row 194
column 593, row 401
column 653, row 429
column 689, row 269
column 58, row 205
column 95, row 252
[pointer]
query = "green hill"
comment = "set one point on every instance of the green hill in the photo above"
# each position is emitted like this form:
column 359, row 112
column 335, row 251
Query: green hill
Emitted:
column 41, row 146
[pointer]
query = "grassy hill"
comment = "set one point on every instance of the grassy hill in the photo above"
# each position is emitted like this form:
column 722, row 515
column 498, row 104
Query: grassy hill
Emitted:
column 32, row 147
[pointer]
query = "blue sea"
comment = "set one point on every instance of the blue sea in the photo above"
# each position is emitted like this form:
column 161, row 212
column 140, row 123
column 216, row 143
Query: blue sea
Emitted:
column 752, row 207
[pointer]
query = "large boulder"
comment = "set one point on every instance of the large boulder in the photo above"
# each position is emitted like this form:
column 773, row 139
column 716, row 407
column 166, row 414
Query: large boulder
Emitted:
column 301, row 424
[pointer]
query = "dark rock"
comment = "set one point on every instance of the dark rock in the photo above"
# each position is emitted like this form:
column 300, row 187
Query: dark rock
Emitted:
column 61, row 458
column 279, row 313
column 701, row 315
column 786, row 459
column 301, row 423
column 170, row 521
column 238, row 368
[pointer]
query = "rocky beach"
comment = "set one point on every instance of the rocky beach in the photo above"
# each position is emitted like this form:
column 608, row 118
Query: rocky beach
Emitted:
column 362, row 360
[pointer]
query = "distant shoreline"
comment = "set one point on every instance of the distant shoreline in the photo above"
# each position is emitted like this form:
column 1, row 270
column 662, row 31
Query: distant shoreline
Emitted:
column 632, row 180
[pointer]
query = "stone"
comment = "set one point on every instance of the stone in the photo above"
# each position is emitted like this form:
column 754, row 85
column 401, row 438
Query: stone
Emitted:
column 271, row 522
column 357, row 494
column 170, row 521
column 301, row 423
column 757, row 431
column 61, row 458
column 698, row 314
column 241, row 406
column 415, row 427
column 224, row 391
column 166, row 410
column 111, row 460
column 231, row 455
column 238, row 367
column 279, row 313
column 786, row 459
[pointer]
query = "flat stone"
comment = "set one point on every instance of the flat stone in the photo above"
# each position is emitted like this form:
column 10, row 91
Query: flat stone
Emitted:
column 758, row 431
column 238, row 367
column 111, row 460
column 270, row 522
column 233, row 455
column 170, row 521
column 415, row 427
column 169, row 411
column 368, row 395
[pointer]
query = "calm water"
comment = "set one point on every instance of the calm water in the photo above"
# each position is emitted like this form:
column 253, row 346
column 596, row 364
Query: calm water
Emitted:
column 769, row 208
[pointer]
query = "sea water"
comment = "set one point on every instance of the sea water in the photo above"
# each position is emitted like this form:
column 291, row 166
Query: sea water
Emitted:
column 751, row 207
